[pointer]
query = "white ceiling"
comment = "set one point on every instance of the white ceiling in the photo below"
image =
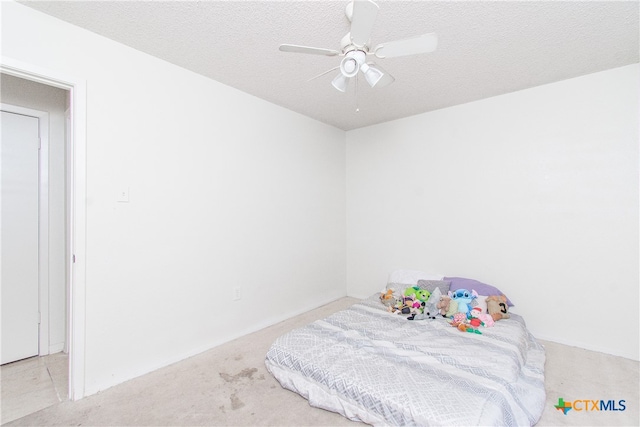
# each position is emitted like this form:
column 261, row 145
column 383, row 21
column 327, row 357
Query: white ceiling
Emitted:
column 486, row 48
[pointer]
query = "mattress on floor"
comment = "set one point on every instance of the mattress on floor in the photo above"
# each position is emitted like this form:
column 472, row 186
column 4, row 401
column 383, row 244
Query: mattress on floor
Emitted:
column 380, row 368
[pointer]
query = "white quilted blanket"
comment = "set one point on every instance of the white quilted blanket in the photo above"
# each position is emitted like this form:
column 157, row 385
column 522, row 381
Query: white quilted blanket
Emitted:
column 379, row 368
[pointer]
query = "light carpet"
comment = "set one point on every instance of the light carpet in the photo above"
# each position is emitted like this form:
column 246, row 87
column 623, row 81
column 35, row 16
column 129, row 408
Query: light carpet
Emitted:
column 229, row 385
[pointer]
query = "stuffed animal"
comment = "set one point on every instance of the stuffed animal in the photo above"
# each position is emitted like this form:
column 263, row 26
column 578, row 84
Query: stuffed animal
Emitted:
column 464, row 298
column 458, row 318
column 497, row 307
column 476, row 318
column 447, row 306
column 431, row 306
column 429, row 310
column 408, row 305
column 387, row 298
column 423, row 295
column 466, row 328
column 419, row 294
column 473, row 319
column 411, row 291
column 397, row 307
column 460, row 321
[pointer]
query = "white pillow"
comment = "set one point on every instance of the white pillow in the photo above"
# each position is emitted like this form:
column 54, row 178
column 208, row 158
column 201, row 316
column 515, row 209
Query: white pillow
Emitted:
column 482, row 303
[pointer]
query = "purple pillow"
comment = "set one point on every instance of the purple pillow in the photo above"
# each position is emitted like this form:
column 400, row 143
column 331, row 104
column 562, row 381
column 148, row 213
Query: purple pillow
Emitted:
column 479, row 287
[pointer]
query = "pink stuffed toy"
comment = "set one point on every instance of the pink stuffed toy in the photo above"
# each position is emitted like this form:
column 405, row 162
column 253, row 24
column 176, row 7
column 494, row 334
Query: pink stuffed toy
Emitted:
column 458, row 318
column 476, row 316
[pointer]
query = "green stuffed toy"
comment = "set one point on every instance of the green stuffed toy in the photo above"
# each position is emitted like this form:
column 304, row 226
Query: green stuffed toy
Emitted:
column 430, row 308
column 418, row 293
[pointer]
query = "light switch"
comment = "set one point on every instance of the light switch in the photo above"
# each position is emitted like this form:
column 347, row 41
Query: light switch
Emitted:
column 123, row 195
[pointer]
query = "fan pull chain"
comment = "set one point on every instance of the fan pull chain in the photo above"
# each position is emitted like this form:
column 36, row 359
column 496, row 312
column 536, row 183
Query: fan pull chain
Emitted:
column 357, row 108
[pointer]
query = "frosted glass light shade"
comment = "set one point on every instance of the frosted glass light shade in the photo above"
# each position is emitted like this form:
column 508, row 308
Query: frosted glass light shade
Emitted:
column 349, row 66
column 385, row 80
column 340, row 82
column 371, row 74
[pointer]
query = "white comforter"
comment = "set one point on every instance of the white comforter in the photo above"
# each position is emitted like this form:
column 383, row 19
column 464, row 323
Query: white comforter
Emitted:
column 373, row 366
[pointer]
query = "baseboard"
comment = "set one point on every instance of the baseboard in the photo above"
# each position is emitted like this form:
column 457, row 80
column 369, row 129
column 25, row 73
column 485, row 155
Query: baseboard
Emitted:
column 56, row 348
column 585, row 346
column 95, row 388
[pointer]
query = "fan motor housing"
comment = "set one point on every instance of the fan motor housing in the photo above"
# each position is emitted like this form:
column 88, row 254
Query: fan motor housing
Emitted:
column 347, row 46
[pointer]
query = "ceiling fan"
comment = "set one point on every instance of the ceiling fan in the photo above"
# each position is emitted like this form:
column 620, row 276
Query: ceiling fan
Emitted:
column 355, row 48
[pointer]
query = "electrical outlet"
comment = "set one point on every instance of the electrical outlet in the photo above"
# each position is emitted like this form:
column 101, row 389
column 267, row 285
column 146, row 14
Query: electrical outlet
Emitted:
column 236, row 294
column 123, row 195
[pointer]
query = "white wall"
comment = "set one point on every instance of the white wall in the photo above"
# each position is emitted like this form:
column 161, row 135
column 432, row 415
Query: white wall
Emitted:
column 36, row 96
column 226, row 191
column 535, row 192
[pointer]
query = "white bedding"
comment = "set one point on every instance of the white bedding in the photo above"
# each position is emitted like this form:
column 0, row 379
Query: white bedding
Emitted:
column 380, row 368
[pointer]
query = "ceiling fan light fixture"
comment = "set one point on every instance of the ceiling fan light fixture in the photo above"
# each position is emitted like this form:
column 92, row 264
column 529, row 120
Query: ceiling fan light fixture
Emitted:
column 355, row 47
column 340, row 82
column 371, row 74
column 386, row 79
column 349, row 66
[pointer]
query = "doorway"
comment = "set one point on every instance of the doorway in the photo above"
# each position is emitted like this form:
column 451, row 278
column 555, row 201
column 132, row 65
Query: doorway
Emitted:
column 74, row 232
column 34, row 246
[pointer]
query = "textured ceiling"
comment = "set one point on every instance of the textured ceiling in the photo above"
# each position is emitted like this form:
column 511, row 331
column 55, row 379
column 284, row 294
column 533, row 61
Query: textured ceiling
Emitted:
column 486, row 48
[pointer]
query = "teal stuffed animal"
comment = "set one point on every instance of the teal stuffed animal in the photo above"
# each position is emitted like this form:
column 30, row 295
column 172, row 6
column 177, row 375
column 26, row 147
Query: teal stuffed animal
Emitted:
column 464, row 298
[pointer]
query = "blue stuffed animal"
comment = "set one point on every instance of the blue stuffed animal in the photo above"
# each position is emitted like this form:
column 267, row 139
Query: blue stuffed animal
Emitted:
column 464, row 298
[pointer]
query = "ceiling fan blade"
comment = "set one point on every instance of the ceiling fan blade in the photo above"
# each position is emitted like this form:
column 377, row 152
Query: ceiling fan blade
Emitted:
column 364, row 16
column 306, row 49
column 420, row 44
column 323, row 73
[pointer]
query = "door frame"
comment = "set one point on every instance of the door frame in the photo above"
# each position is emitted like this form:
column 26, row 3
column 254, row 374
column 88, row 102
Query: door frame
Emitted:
column 43, row 220
column 76, row 188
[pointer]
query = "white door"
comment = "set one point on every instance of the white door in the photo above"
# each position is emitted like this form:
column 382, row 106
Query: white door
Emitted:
column 19, row 256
